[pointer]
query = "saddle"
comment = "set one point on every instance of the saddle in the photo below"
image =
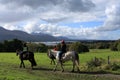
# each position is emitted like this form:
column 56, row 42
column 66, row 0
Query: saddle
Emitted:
column 25, row 54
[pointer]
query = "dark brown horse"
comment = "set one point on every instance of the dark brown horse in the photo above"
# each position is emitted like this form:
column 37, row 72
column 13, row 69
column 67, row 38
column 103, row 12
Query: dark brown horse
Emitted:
column 26, row 55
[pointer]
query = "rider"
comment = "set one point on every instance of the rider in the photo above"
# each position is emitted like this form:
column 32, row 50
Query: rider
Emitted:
column 25, row 48
column 63, row 49
column 55, row 48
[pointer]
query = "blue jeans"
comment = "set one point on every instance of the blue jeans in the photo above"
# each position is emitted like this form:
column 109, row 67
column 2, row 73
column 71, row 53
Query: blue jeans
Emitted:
column 60, row 54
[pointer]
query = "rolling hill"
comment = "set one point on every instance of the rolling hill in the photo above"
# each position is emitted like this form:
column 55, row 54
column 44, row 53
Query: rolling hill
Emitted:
column 21, row 35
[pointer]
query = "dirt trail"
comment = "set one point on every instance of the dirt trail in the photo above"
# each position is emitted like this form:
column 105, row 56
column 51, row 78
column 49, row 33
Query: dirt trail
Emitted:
column 107, row 75
column 116, row 77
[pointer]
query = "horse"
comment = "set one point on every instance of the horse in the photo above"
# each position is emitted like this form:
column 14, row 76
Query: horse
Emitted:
column 70, row 55
column 51, row 56
column 26, row 55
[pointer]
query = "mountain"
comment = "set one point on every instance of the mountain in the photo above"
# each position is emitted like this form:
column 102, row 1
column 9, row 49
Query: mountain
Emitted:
column 21, row 35
column 43, row 37
column 61, row 37
column 8, row 35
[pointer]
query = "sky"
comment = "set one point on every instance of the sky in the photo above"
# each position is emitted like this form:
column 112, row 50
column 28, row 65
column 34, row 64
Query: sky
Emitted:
column 75, row 19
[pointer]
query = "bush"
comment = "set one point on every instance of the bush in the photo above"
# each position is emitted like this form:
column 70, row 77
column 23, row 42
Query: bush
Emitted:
column 116, row 46
column 78, row 47
column 11, row 45
column 113, row 66
column 95, row 62
column 37, row 47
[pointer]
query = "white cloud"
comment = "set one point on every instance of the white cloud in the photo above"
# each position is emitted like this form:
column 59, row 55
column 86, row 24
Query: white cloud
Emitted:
column 113, row 18
column 32, row 12
column 48, row 10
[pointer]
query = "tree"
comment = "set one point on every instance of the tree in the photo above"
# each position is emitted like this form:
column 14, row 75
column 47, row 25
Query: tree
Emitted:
column 11, row 45
column 118, row 46
column 1, row 47
column 115, row 46
column 78, row 47
column 37, row 47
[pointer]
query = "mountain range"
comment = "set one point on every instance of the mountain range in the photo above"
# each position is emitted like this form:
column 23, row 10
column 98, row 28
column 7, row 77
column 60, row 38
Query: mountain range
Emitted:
column 21, row 35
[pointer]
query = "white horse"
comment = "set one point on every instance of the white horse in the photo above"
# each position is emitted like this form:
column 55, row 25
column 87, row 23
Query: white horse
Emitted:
column 70, row 55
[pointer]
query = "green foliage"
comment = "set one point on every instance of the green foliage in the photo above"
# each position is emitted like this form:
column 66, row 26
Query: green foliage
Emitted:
column 96, row 62
column 115, row 46
column 37, row 47
column 98, row 44
column 102, row 46
column 11, row 46
column 118, row 46
column 1, row 47
column 113, row 66
column 78, row 47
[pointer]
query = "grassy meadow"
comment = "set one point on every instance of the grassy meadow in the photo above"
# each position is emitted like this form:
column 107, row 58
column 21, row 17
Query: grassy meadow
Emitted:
column 9, row 67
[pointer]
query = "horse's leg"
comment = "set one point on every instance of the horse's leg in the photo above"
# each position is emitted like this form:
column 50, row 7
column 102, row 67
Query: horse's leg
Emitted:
column 62, row 66
column 77, row 65
column 53, row 61
column 31, row 63
column 56, row 66
column 23, row 64
column 73, row 66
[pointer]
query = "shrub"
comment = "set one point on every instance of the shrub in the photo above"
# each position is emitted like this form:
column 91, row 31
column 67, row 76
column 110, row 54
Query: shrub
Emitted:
column 113, row 66
column 115, row 46
column 95, row 62
column 118, row 46
column 37, row 47
column 78, row 47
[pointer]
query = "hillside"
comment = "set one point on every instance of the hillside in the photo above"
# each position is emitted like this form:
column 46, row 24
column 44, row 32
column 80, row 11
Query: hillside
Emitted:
column 21, row 35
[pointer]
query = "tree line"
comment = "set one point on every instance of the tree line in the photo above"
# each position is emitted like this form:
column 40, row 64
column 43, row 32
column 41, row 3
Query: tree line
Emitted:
column 80, row 47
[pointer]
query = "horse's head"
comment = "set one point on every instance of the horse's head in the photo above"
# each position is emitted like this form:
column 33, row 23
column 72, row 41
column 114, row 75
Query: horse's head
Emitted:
column 18, row 52
column 51, row 53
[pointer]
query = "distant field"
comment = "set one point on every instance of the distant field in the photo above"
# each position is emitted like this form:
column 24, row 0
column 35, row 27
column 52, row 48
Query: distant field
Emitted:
column 9, row 67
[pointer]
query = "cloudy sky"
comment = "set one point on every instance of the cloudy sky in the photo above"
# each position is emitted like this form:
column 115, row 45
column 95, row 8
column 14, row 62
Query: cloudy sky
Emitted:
column 76, row 19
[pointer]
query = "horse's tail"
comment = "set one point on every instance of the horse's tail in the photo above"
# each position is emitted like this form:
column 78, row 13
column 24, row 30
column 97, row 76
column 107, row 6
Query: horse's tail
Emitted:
column 33, row 60
column 77, row 58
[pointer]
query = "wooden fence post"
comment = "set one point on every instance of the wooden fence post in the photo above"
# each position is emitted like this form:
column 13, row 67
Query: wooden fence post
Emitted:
column 108, row 59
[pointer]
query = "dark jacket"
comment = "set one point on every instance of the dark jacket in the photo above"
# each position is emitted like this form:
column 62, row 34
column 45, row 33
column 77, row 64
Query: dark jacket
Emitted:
column 63, row 48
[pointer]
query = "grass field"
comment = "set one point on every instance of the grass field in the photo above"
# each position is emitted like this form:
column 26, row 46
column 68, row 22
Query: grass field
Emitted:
column 9, row 68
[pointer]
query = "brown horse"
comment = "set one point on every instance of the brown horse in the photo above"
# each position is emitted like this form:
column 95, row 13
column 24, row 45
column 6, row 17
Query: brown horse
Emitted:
column 26, row 55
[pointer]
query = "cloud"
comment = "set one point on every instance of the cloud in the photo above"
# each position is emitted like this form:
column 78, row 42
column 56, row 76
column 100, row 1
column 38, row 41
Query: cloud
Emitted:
column 47, row 10
column 45, row 16
column 112, row 22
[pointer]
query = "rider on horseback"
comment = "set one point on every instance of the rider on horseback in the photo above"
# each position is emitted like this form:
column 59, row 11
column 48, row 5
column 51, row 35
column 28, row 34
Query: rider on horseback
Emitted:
column 62, row 50
column 25, row 50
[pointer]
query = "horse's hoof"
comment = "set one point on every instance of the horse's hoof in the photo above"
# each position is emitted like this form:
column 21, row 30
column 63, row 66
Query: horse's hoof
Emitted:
column 62, row 70
column 78, row 71
column 72, row 71
column 54, row 70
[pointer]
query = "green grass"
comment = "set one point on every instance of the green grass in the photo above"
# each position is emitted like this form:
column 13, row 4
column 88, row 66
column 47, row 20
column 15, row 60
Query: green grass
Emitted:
column 9, row 67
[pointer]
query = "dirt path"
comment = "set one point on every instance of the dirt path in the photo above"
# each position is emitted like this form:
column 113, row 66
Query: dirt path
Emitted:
column 116, row 77
column 95, row 74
